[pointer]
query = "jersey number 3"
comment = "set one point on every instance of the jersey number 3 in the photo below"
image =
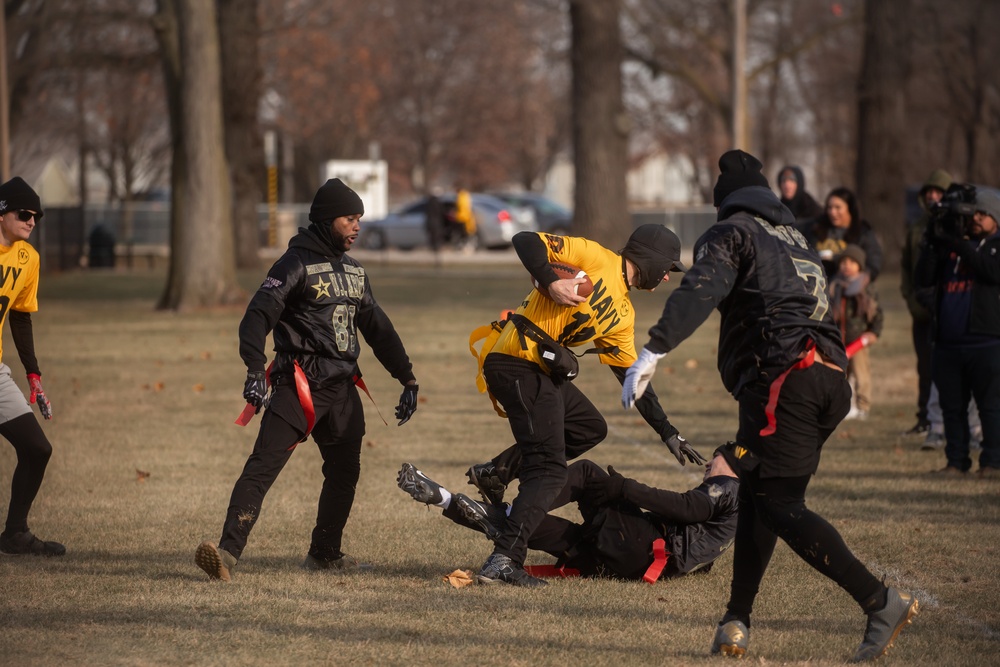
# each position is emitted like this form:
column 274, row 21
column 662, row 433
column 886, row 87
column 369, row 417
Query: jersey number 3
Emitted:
column 812, row 275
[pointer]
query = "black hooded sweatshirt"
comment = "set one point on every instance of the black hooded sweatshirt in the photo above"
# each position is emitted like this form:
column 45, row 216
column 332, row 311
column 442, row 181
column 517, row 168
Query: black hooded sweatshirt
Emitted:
column 802, row 205
column 767, row 283
column 316, row 299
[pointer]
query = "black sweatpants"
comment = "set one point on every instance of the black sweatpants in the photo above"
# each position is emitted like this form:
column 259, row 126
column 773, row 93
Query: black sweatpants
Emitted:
column 33, row 453
column 923, row 346
column 540, row 412
column 810, row 404
column 339, row 429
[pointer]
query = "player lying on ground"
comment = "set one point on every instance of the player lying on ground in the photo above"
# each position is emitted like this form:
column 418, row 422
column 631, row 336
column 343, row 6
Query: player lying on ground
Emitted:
column 621, row 519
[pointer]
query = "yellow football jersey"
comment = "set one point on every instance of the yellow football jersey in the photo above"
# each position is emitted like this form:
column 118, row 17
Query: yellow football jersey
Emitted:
column 18, row 280
column 606, row 318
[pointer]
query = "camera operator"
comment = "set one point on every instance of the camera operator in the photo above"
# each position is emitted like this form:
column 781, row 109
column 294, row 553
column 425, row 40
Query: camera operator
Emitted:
column 960, row 258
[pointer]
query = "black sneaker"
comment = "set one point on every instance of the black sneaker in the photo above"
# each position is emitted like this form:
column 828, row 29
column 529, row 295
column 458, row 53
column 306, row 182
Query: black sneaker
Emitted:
column 489, row 518
column 484, row 477
column 885, row 625
column 420, row 487
column 920, row 428
column 341, row 563
column 26, row 544
column 499, row 567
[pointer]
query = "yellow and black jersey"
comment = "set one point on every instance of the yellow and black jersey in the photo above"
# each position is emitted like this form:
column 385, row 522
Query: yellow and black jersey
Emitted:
column 18, row 280
column 606, row 318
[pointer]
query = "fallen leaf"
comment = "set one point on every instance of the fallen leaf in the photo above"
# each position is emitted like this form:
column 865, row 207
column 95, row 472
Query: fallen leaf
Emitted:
column 369, row 443
column 206, row 355
column 459, row 578
column 691, row 364
column 158, row 386
column 198, row 388
column 141, row 475
column 421, row 399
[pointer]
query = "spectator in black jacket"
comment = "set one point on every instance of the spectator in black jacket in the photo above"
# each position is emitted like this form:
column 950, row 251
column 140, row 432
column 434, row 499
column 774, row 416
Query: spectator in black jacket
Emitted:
column 960, row 258
column 783, row 359
column 792, row 185
column 315, row 299
column 616, row 537
column 840, row 224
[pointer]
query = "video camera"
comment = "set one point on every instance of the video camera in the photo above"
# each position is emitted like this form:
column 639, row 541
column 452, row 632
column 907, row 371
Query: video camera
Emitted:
column 951, row 215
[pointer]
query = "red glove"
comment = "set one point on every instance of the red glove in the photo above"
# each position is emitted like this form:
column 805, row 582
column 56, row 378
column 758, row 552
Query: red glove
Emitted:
column 38, row 395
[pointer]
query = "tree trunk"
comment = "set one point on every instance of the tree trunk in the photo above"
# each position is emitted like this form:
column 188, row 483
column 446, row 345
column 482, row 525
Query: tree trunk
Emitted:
column 202, row 260
column 885, row 69
column 600, row 122
column 239, row 35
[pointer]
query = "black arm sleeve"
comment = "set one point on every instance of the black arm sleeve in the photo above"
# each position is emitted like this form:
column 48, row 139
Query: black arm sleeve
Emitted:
column 380, row 335
column 24, row 340
column 704, row 286
column 649, row 407
column 531, row 251
column 691, row 506
column 985, row 267
column 261, row 316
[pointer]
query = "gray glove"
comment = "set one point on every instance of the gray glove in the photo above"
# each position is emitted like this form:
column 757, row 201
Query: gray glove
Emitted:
column 682, row 449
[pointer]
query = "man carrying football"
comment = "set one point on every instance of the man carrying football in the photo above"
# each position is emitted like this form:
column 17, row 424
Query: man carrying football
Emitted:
column 527, row 368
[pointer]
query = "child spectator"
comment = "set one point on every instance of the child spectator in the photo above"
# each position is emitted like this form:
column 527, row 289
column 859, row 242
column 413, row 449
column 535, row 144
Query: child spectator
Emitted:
column 855, row 308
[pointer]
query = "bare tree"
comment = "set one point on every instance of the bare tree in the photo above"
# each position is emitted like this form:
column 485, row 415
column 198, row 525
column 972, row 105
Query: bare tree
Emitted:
column 600, row 123
column 239, row 36
column 202, row 261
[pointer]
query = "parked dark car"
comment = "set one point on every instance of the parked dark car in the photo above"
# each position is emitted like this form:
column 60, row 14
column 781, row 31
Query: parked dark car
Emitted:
column 550, row 216
column 404, row 228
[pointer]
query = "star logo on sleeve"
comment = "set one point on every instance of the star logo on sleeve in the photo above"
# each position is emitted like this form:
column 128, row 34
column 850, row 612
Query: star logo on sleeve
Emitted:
column 322, row 288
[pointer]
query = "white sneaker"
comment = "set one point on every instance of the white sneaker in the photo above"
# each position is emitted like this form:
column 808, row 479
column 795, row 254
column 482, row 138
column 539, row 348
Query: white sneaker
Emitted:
column 860, row 415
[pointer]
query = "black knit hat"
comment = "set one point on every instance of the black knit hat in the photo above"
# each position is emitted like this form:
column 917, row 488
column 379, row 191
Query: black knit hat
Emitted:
column 15, row 195
column 334, row 200
column 654, row 250
column 737, row 170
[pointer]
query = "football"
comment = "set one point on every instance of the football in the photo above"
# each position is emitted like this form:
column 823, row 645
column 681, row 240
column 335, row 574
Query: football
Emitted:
column 568, row 271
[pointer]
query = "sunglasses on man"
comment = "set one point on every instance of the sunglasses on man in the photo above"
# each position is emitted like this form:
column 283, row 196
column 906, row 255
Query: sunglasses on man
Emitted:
column 25, row 215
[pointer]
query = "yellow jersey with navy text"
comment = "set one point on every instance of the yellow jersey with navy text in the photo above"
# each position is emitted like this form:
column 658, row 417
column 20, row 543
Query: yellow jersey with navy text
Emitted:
column 606, row 318
column 18, row 280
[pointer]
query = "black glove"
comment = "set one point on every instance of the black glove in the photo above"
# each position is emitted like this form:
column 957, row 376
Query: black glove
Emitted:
column 601, row 490
column 682, row 449
column 255, row 389
column 407, row 404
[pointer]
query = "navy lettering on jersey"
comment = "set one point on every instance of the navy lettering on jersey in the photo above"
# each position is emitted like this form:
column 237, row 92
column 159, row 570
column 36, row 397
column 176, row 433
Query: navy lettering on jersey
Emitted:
column 6, row 272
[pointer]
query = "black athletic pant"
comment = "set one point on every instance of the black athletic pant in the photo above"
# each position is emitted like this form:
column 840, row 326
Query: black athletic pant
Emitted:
column 923, row 347
column 539, row 412
column 33, row 453
column 810, row 404
column 339, row 429
column 961, row 374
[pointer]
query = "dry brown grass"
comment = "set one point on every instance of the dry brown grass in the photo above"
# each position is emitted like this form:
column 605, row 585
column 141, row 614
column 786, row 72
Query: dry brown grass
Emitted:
column 137, row 390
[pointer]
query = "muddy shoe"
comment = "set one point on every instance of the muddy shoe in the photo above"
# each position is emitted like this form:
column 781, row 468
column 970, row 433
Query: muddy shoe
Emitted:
column 217, row 563
column 731, row 639
column 26, row 544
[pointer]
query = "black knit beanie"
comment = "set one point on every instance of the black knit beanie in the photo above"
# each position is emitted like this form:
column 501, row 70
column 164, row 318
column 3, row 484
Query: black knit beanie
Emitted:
column 15, row 195
column 654, row 250
column 732, row 453
column 737, row 170
column 334, row 200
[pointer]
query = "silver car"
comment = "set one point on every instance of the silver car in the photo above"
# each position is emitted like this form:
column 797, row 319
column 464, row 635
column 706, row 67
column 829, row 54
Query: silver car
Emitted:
column 405, row 228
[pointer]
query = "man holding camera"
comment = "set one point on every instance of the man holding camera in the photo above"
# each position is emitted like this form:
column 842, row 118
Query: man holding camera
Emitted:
column 960, row 258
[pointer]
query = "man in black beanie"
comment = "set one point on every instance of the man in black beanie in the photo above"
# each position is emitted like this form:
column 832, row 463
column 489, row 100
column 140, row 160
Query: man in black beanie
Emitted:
column 783, row 359
column 21, row 210
column 315, row 299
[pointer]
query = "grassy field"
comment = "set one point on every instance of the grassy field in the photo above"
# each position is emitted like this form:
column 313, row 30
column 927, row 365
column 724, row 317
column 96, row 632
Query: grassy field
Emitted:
column 136, row 390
